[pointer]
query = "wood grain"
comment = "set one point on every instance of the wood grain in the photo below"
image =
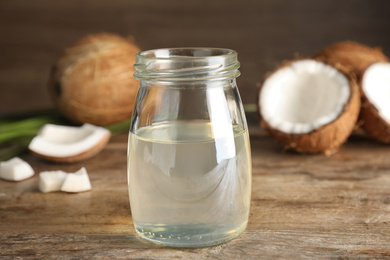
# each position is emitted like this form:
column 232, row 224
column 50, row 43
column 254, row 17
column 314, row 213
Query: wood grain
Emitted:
column 302, row 207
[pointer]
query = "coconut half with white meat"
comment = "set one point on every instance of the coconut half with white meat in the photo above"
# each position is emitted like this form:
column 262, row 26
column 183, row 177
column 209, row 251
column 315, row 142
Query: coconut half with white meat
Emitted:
column 372, row 69
column 375, row 111
column 309, row 106
column 68, row 144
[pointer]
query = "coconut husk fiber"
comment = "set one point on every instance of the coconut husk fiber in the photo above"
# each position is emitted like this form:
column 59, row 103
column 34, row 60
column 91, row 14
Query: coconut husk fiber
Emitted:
column 92, row 81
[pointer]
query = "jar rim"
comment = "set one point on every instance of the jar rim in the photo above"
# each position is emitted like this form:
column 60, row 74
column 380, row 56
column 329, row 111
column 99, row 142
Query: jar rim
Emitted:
column 196, row 52
column 186, row 64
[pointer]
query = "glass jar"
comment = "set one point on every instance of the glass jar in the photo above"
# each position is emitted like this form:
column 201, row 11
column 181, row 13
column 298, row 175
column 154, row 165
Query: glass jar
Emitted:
column 189, row 162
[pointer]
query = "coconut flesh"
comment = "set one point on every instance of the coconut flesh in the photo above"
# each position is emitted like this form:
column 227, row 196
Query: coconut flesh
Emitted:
column 371, row 67
column 375, row 112
column 69, row 144
column 304, row 96
column 62, row 181
column 51, row 180
column 302, row 103
column 376, row 87
column 15, row 169
column 77, row 182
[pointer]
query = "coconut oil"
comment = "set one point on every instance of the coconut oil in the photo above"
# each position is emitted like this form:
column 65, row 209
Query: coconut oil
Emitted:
column 189, row 185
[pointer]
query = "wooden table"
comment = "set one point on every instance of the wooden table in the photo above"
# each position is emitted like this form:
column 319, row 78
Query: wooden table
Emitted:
column 302, row 206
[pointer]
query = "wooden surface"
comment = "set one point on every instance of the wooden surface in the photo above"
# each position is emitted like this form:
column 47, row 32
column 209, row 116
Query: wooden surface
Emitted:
column 302, row 206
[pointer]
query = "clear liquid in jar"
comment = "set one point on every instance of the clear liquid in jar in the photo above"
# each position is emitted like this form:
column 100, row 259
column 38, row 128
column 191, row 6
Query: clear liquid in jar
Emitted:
column 188, row 186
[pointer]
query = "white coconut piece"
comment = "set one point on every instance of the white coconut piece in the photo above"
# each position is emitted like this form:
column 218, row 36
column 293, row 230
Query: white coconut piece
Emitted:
column 15, row 169
column 77, row 182
column 51, row 180
column 69, row 144
column 303, row 96
column 376, row 87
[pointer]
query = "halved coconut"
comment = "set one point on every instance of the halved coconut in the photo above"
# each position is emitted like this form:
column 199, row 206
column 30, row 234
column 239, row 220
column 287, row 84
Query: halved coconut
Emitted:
column 375, row 111
column 371, row 67
column 309, row 106
column 68, row 144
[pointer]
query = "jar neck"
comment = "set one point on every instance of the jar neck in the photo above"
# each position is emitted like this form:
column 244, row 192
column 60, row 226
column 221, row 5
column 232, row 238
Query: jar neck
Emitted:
column 186, row 65
column 190, row 84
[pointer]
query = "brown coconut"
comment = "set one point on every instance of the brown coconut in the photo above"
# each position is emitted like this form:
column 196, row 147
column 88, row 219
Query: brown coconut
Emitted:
column 92, row 82
column 355, row 56
column 372, row 123
column 328, row 138
column 358, row 58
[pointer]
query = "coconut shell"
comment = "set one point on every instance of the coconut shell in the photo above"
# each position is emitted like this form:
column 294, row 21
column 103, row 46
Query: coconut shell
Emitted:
column 328, row 138
column 92, row 82
column 355, row 56
column 358, row 57
column 79, row 157
column 372, row 123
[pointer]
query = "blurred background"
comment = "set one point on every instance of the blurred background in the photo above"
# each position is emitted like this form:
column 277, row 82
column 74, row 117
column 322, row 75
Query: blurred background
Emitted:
column 263, row 32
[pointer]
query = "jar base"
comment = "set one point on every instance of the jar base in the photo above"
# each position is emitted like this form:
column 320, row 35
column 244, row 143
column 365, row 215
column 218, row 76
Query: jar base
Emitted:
column 188, row 235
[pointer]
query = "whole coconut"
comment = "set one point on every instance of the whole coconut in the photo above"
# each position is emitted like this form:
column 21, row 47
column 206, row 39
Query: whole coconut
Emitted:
column 92, row 82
